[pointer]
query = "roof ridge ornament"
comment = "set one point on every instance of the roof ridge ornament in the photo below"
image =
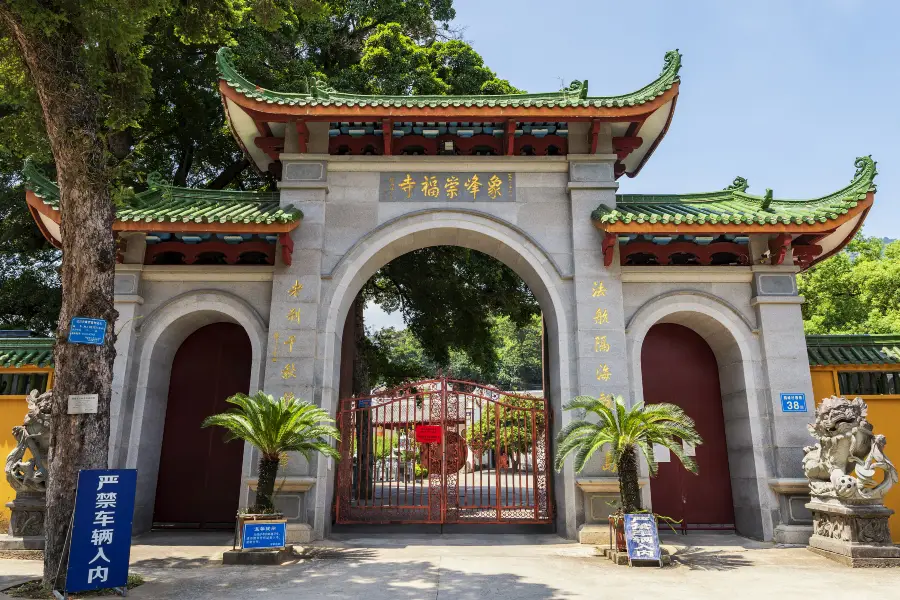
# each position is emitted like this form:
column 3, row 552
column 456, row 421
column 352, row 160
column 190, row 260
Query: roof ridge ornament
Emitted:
column 739, row 184
column 672, row 62
column 320, row 89
column 865, row 169
column 155, row 180
column 767, row 200
column 577, row 89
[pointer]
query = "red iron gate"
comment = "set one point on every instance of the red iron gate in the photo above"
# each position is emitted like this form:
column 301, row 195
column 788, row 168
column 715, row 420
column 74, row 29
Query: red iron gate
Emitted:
column 444, row 451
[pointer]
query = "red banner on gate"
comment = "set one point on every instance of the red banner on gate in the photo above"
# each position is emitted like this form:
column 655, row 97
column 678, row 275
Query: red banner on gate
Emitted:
column 428, row 434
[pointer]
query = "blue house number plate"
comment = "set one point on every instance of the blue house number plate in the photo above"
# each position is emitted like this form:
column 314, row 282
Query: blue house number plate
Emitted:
column 793, row 402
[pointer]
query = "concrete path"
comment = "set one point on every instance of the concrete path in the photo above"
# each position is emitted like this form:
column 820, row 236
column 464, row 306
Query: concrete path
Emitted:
column 494, row 567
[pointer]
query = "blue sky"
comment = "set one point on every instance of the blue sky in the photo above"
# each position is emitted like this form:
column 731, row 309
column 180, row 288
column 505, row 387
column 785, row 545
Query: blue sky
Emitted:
column 785, row 93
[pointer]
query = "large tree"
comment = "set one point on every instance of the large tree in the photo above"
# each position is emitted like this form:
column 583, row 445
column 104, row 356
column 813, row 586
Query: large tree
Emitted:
column 855, row 291
column 106, row 99
column 81, row 63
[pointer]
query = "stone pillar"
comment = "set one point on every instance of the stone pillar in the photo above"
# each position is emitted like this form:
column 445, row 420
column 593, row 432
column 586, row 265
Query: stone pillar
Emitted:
column 599, row 309
column 127, row 302
column 292, row 342
column 786, row 370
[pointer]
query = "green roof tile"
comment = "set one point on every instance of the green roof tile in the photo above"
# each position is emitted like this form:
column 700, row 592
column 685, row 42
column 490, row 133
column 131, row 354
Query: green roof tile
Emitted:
column 734, row 205
column 317, row 93
column 832, row 350
column 20, row 352
column 171, row 204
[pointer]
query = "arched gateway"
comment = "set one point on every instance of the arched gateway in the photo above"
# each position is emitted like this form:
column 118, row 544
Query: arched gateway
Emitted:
column 529, row 179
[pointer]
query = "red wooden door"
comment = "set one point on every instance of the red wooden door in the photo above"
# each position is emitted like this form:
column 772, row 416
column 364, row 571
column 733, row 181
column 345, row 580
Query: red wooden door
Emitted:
column 679, row 367
column 199, row 473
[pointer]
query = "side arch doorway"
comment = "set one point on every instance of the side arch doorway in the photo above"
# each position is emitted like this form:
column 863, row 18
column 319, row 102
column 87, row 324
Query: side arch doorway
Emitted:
column 679, row 367
column 199, row 473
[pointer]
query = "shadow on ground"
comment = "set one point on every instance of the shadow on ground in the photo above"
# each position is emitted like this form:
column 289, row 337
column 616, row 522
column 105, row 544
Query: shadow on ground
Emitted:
column 192, row 538
column 350, row 576
column 700, row 559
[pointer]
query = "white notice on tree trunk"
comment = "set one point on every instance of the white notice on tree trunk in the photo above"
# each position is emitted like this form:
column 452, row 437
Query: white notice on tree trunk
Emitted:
column 689, row 449
column 661, row 453
column 81, row 404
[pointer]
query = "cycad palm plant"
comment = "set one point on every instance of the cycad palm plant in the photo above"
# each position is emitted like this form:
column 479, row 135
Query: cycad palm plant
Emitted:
column 624, row 430
column 275, row 427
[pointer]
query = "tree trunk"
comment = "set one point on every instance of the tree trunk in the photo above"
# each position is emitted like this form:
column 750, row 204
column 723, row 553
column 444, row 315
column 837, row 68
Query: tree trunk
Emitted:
column 230, row 173
column 265, row 487
column 71, row 115
column 628, row 481
column 361, row 384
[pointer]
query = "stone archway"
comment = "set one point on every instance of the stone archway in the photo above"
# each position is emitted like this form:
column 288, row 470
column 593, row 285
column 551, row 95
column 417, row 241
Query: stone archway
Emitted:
column 157, row 340
column 733, row 341
column 479, row 232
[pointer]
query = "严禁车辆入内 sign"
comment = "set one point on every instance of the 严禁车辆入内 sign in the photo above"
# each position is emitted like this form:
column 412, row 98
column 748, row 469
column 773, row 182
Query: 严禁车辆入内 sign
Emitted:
column 101, row 529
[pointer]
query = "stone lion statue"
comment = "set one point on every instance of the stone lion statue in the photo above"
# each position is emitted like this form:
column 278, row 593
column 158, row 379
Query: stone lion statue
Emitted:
column 33, row 435
column 844, row 461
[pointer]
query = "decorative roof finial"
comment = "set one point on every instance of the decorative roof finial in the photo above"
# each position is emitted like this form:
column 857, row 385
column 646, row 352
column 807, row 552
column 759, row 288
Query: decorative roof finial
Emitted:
column 865, row 170
column 155, row 180
column 767, row 201
column 740, row 184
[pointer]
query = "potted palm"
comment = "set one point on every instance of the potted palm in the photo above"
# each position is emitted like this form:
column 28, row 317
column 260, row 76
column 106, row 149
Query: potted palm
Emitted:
column 275, row 427
column 622, row 431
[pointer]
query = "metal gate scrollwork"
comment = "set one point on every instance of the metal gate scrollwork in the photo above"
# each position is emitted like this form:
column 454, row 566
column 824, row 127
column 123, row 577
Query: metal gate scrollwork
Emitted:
column 482, row 456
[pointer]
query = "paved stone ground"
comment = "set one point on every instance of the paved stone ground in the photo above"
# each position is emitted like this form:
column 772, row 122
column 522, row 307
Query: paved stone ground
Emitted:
column 487, row 567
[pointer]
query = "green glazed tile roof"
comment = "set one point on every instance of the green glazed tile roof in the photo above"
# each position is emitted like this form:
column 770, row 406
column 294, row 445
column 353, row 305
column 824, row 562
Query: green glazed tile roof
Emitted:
column 319, row 94
column 825, row 350
column 19, row 352
column 735, row 205
column 167, row 203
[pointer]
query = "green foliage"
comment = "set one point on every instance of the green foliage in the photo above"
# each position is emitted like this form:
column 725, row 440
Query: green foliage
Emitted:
column 454, row 306
column 397, row 356
column 514, row 434
column 855, row 291
column 155, row 73
column 278, row 426
column 384, row 444
column 621, row 429
column 421, row 471
column 393, row 63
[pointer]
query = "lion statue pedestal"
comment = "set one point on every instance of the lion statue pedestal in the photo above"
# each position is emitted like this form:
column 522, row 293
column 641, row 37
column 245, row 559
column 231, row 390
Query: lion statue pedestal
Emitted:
column 28, row 477
column 850, row 521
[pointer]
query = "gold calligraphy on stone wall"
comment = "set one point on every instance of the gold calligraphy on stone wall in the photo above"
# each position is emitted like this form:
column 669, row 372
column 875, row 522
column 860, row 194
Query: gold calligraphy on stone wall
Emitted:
column 456, row 187
column 601, row 344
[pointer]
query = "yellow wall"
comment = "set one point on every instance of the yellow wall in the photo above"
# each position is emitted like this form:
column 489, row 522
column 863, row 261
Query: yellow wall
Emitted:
column 884, row 415
column 12, row 412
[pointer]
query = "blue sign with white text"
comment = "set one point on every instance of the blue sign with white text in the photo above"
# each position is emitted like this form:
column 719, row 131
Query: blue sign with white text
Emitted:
column 793, row 402
column 641, row 537
column 83, row 330
column 264, row 535
column 101, row 530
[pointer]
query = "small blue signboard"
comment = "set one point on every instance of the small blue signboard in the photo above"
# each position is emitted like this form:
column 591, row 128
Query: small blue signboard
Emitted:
column 641, row 537
column 264, row 535
column 83, row 330
column 364, row 403
column 101, row 530
column 793, row 402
